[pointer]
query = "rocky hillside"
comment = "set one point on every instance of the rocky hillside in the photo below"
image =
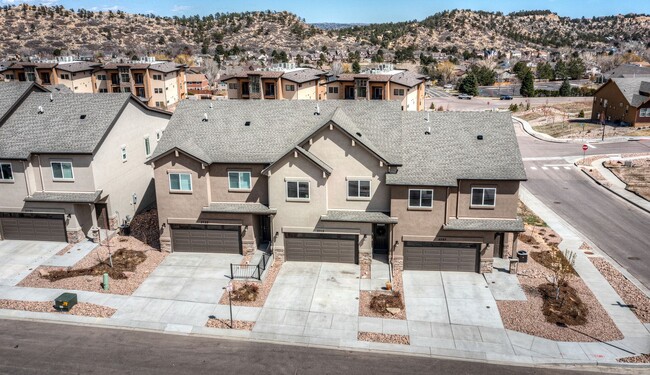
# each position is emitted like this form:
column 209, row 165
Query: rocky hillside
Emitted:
column 29, row 30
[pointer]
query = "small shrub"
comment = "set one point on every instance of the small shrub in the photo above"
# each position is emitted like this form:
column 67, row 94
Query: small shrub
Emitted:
column 581, row 114
column 246, row 292
column 513, row 108
column 441, row 108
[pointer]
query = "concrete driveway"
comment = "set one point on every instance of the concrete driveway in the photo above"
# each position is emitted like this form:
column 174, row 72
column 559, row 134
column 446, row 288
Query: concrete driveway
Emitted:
column 312, row 302
column 19, row 258
column 461, row 298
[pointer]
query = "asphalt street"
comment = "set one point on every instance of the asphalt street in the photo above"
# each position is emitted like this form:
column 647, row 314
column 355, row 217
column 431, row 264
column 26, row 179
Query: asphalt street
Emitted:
column 45, row 348
column 616, row 227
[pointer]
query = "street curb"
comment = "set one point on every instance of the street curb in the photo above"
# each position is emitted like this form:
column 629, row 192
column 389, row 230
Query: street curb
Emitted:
column 613, row 191
column 547, row 138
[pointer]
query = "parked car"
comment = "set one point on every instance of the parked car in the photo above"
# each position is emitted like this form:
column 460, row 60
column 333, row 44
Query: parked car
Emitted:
column 465, row 96
column 506, row 97
column 448, row 86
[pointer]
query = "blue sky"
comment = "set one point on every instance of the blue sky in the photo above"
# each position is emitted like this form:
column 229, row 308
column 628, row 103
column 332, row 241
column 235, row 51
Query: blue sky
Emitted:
column 352, row 10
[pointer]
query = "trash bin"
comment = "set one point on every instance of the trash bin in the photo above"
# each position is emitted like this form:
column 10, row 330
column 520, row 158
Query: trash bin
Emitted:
column 125, row 229
column 522, row 255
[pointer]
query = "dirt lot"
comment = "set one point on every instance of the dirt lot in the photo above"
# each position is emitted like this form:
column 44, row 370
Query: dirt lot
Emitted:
column 93, row 282
column 527, row 316
column 637, row 177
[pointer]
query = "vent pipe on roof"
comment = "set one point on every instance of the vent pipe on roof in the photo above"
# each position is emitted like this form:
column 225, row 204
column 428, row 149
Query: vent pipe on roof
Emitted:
column 40, row 109
column 205, row 117
column 427, row 120
column 317, row 113
column 211, row 106
column 428, row 131
column 51, row 97
column 479, row 137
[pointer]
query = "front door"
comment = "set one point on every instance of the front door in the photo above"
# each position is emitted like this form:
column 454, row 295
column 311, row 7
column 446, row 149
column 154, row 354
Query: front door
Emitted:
column 498, row 245
column 101, row 213
column 349, row 92
column 380, row 238
column 265, row 228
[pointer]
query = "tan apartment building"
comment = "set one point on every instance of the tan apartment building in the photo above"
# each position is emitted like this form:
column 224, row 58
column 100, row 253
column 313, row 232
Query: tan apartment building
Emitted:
column 313, row 84
column 339, row 182
column 73, row 163
column 159, row 84
column 624, row 101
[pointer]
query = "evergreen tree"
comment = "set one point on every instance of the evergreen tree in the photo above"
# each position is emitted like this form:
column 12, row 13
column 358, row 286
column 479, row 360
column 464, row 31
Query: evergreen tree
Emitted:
column 469, row 85
column 528, row 85
column 565, row 89
column 356, row 68
column 575, row 68
column 545, row 71
column 560, row 70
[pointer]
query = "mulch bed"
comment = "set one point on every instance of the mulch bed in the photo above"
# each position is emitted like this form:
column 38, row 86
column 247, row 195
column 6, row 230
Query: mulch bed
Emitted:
column 564, row 307
column 144, row 227
column 132, row 266
column 639, row 303
column 373, row 303
column 643, row 358
column 81, row 309
column 383, row 337
column 245, row 293
column 225, row 324
column 528, row 317
column 264, row 288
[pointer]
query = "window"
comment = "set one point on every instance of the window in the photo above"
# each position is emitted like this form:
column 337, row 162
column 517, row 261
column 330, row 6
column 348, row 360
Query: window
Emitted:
column 255, row 84
column 398, row 92
column 233, row 86
column 103, row 90
column 289, row 87
column 127, row 89
column 157, row 77
column 644, row 112
column 139, row 78
column 101, row 77
column 362, row 92
column 62, row 170
column 358, row 189
column 269, row 89
column 239, row 180
column 6, row 174
column 297, row 190
column 420, row 198
column 9, row 77
column 123, row 152
column 65, row 76
column 159, row 104
column 124, row 77
column 483, row 197
column 180, row 182
column 333, row 90
column 157, row 91
column 147, row 146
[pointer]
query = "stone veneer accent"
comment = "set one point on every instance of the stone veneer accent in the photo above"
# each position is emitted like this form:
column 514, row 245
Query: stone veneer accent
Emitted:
column 278, row 253
column 398, row 264
column 365, row 257
column 248, row 247
column 166, row 244
column 75, row 236
column 486, row 266
column 113, row 224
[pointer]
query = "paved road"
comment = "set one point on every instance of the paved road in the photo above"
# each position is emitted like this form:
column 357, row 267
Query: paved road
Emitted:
column 38, row 348
column 452, row 103
column 618, row 228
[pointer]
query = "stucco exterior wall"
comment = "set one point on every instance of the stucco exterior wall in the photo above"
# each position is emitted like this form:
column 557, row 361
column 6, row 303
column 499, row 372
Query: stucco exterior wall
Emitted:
column 13, row 193
column 82, row 170
column 219, row 184
column 505, row 205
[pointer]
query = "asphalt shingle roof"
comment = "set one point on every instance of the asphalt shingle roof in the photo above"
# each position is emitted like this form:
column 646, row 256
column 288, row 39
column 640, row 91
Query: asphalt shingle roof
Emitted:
column 628, row 70
column 630, row 88
column 165, row 67
column 498, row 225
column 238, row 208
column 358, row 217
column 77, row 66
column 303, row 75
column 10, row 94
column 60, row 128
column 62, row 197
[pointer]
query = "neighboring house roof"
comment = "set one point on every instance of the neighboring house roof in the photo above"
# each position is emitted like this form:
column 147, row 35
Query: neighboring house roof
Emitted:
column 630, row 88
column 628, row 71
column 60, row 128
column 303, row 75
column 23, row 64
column 77, row 66
column 404, row 78
column 452, row 150
column 275, row 128
column 358, row 217
column 497, row 225
column 12, row 93
column 239, row 208
column 59, row 88
column 450, row 153
column 408, row 79
column 195, row 77
column 62, row 197
column 165, row 67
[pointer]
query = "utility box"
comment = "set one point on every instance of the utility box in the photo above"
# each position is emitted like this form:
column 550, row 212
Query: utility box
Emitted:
column 65, row 301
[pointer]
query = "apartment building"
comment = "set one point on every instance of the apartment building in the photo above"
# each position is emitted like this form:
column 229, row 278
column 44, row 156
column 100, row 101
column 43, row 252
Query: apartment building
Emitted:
column 339, row 182
column 159, row 84
column 384, row 83
column 73, row 163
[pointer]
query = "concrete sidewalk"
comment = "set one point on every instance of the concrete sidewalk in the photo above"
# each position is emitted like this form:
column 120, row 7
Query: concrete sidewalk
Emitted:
column 545, row 137
column 616, row 186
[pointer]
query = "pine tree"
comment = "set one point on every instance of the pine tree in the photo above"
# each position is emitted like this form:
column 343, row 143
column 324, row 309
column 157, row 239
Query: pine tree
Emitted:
column 565, row 89
column 469, row 85
column 528, row 85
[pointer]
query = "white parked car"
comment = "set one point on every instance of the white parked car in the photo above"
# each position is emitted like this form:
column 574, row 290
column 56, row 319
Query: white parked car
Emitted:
column 448, row 86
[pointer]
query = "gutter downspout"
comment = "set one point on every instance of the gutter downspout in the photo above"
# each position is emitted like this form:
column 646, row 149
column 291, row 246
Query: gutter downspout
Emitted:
column 40, row 172
column 26, row 181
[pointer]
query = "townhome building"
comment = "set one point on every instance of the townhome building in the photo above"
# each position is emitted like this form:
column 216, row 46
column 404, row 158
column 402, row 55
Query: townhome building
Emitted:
column 623, row 100
column 72, row 164
column 282, row 83
column 159, row 84
column 339, row 181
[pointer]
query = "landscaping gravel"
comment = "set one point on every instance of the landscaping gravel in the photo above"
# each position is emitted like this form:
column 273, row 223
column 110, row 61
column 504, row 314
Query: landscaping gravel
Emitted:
column 383, row 337
column 643, row 358
column 630, row 294
column 527, row 316
column 225, row 324
column 82, row 309
column 66, row 249
column 94, row 283
column 263, row 291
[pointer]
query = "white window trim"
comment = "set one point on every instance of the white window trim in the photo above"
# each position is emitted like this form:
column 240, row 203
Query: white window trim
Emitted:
column 7, row 180
column 124, row 155
column 420, row 207
column 358, row 179
column 239, row 172
column 297, row 180
column 471, row 196
column 181, row 191
column 62, row 162
column 147, row 140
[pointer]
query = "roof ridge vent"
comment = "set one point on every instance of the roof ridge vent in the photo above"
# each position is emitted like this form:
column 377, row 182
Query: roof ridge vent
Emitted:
column 317, row 113
column 205, row 117
column 40, row 109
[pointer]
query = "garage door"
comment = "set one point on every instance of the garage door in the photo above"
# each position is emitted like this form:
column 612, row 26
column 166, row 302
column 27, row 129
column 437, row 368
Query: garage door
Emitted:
column 33, row 227
column 321, row 247
column 434, row 256
column 206, row 239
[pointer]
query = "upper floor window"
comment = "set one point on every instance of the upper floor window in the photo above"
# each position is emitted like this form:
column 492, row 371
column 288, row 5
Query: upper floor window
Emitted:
column 180, row 182
column 6, row 173
column 157, row 77
column 239, row 180
column 123, row 153
column 298, row 190
column 62, row 170
column 398, row 92
column 157, row 90
column 483, row 197
column 65, row 76
column 420, row 198
column 333, row 90
column 101, row 77
column 644, row 112
column 290, row 87
column 233, row 86
column 147, row 146
column 358, row 189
